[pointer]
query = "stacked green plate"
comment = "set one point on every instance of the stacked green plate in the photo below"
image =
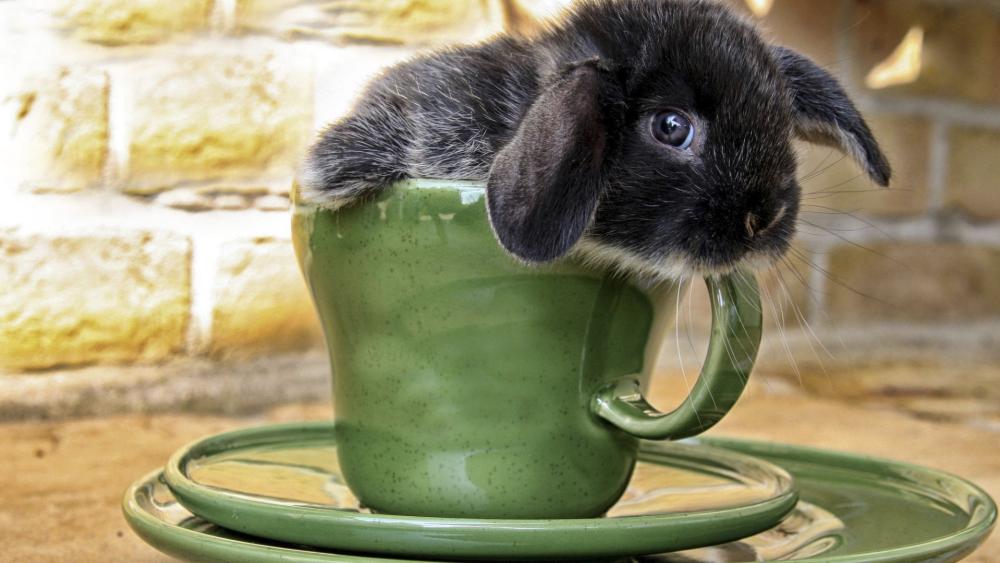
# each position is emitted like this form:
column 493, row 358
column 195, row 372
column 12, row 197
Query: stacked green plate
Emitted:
column 283, row 483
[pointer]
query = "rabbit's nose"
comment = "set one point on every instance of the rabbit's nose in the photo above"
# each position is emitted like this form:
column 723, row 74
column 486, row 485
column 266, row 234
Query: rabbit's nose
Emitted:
column 753, row 222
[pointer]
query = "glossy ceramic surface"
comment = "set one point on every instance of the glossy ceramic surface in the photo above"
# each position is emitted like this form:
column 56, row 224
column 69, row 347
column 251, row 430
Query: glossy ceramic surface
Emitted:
column 470, row 385
column 154, row 514
column 854, row 510
column 284, row 483
column 891, row 511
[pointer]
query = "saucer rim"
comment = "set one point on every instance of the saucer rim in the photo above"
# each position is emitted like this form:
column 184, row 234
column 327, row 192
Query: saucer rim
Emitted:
column 186, row 543
column 439, row 537
column 960, row 543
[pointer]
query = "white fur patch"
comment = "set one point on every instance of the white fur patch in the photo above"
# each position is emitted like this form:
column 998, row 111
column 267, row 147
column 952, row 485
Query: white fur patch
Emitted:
column 310, row 183
column 624, row 262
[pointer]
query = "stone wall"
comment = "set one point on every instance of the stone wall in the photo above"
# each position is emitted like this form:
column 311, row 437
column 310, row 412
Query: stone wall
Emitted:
column 148, row 152
column 148, row 147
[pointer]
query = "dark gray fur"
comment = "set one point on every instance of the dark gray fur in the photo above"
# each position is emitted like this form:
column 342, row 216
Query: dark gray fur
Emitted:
column 558, row 126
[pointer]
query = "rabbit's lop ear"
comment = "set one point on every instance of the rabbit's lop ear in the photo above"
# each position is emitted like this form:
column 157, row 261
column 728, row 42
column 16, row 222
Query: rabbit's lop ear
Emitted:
column 544, row 185
column 825, row 114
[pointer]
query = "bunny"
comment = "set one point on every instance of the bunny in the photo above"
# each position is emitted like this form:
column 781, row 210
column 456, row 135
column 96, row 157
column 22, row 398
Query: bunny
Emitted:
column 653, row 136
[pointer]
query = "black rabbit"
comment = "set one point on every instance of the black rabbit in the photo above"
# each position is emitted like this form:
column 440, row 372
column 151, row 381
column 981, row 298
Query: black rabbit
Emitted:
column 650, row 135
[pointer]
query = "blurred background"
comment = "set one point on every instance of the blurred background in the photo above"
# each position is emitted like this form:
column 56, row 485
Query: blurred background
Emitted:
column 147, row 148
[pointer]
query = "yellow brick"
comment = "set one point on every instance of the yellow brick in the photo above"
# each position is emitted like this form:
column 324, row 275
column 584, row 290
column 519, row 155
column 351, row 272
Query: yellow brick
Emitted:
column 92, row 297
column 261, row 302
column 974, row 172
column 810, row 27
column 528, row 17
column 61, row 130
column 914, row 282
column 119, row 22
column 218, row 118
column 380, row 21
column 961, row 46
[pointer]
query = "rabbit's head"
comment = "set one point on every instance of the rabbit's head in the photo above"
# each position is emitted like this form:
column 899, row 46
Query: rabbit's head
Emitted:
column 666, row 146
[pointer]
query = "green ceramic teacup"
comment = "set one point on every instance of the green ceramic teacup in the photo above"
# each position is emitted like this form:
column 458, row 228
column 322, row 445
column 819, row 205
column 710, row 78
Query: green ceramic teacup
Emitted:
column 469, row 385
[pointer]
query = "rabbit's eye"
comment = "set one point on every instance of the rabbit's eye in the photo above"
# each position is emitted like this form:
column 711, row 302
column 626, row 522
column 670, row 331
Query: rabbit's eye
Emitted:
column 674, row 129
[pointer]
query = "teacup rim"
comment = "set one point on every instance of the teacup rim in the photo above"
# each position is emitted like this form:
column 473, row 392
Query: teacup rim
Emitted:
column 432, row 183
column 472, row 190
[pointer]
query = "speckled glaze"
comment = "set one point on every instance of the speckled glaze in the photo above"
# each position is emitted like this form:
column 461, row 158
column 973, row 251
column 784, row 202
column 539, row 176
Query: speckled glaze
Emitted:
column 883, row 512
column 469, row 385
column 284, row 482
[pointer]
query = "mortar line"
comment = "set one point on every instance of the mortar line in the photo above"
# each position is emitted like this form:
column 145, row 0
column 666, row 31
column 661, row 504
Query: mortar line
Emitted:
column 205, row 254
column 953, row 111
column 120, row 98
column 818, row 282
column 222, row 18
column 937, row 173
column 845, row 45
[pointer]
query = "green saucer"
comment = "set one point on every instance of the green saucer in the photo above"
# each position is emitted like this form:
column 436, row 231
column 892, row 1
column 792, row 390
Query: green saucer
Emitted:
column 854, row 510
column 283, row 483
column 158, row 518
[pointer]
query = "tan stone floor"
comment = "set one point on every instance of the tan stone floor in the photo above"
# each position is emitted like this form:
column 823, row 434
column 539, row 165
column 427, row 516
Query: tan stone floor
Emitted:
column 62, row 481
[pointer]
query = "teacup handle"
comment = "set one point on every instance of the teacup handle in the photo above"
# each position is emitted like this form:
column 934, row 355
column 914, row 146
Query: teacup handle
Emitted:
column 732, row 350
